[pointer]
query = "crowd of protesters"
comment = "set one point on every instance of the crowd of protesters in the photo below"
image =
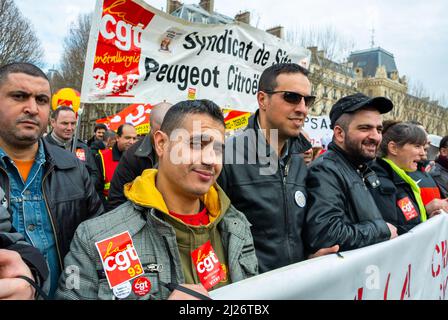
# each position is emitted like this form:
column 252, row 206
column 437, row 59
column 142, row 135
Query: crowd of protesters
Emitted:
column 202, row 211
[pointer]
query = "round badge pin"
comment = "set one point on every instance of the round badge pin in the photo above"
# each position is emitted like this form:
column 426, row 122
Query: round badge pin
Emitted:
column 300, row 199
column 123, row 290
column 141, row 286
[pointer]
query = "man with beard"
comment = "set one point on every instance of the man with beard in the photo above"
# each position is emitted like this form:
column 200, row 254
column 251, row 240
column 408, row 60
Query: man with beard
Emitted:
column 48, row 191
column 341, row 210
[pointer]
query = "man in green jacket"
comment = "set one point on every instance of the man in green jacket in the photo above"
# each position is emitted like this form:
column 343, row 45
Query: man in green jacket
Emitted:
column 179, row 228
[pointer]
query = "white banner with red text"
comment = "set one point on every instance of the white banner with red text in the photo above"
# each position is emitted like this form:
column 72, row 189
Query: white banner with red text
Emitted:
column 138, row 54
column 412, row 266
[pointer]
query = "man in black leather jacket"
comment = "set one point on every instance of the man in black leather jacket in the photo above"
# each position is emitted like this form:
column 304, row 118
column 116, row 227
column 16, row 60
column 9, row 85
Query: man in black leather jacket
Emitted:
column 48, row 191
column 341, row 210
column 264, row 173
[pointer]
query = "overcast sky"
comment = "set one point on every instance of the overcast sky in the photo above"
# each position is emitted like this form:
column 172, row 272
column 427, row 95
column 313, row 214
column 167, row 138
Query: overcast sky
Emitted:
column 415, row 31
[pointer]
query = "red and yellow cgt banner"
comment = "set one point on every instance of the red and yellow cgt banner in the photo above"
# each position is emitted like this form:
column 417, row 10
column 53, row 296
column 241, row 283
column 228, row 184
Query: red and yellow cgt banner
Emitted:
column 135, row 114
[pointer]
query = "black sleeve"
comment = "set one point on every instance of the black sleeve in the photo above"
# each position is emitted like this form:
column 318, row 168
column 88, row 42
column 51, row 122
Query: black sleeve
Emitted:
column 34, row 259
column 99, row 185
column 93, row 169
column 326, row 223
column 222, row 180
column 127, row 170
column 94, row 204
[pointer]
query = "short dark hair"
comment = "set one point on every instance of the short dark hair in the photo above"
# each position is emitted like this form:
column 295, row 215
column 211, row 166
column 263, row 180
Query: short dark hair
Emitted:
column 99, row 126
column 268, row 79
column 176, row 114
column 443, row 142
column 120, row 128
column 55, row 113
column 344, row 121
column 21, row 67
column 401, row 133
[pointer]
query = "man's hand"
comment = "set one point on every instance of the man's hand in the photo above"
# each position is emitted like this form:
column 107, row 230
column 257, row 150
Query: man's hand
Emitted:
column 393, row 230
column 324, row 252
column 436, row 206
column 179, row 295
column 11, row 266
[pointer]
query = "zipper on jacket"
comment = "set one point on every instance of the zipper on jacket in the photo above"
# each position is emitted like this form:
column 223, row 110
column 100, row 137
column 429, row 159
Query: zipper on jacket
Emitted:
column 284, row 174
column 51, row 218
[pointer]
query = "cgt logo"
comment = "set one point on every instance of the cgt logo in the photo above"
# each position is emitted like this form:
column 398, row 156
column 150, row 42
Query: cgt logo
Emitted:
column 119, row 258
column 141, row 286
column 208, row 267
column 208, row 264
column 122, row 260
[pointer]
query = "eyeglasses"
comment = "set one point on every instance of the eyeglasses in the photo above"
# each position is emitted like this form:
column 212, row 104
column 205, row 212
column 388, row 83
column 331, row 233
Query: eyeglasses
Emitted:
column 295, row 98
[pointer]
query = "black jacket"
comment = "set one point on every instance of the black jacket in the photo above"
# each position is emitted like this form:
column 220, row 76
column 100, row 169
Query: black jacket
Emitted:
column 140, row 156
column 340, row 208
column 272, row 200
column 68, row 192
column 392, row 190
column 89, row 159
column 440, row 176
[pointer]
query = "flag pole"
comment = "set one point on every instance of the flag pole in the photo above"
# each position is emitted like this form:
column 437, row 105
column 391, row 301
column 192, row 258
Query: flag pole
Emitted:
column 78, row 126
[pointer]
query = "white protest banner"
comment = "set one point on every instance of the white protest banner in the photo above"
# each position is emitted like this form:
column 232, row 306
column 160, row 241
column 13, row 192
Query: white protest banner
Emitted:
column 411, row 266
column 317, row 127
column 138, row 54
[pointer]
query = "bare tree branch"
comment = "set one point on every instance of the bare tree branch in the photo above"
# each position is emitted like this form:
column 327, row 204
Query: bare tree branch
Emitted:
column 18, row 41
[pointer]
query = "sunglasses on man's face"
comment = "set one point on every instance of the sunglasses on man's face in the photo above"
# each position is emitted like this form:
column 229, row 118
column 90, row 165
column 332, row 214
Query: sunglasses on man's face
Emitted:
column 294, row 97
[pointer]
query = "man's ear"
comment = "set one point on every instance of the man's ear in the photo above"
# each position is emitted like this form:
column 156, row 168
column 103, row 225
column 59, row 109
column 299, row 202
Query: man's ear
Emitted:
column 52, row 122
column 392, row 148
column 262, row 99
column 339, row 134
column 160, row 142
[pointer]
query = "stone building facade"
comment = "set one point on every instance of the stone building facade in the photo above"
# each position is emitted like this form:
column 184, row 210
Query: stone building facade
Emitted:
column 376, row 74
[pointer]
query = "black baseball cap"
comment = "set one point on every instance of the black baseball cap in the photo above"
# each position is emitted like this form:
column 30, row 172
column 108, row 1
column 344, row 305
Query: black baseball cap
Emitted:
column 355, row 102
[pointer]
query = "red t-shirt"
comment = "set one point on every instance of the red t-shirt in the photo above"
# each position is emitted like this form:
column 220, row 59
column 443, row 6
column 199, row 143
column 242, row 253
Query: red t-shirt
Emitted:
column 198, row 219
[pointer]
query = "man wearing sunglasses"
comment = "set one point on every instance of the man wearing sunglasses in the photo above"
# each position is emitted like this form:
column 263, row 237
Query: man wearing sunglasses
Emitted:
column 341, row 210
column 264, row 173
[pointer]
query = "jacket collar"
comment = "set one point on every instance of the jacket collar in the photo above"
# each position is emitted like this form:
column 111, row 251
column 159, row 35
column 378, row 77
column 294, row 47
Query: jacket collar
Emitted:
column 391, row 174
column 355, row 162
column 58, row 157
column 145, row 149
column 143, row 192
column 296, row 145
column 116, row 153
column 52, row 137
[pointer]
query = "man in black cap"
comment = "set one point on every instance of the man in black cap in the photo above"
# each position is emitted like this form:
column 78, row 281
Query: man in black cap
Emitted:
column 340, row 209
